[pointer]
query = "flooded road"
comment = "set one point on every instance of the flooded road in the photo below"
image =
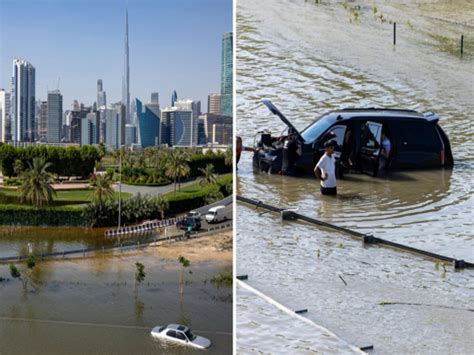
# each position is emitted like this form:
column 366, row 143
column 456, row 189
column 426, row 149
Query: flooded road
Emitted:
column 309, row 59
column 91, row 306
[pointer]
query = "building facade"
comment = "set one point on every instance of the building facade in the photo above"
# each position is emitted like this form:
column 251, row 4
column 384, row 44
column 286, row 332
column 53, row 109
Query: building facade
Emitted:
column 90, row 128
column 101, row 96
column 227, row 75
column 217, row 128
column 115, row 126
column 5, row 120
column 23, row 128
column 214, row 103
column 55, row 117
column 43, row 122
column 130, row 134
column 174, row 97
column 179, row 127
column 148, row 127
column 155, row 98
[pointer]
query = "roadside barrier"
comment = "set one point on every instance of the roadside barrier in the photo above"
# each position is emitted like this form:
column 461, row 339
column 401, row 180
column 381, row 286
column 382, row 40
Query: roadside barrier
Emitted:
column 144, row 227
column 287, row 214
column 151, row 239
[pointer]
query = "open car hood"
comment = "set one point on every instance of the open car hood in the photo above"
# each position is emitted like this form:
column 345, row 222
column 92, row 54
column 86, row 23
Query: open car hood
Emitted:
column 285, row 120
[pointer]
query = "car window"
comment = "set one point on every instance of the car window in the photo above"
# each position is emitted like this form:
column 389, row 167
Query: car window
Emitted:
column 372, row 135
column 171, row 333
column 180, row 336
column 339, row 132
column 161, row 329
column 190, row 335
column 314, row 131
column 418, row 136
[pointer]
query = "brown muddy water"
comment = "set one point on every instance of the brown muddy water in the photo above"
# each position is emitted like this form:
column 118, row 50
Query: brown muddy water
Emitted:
column 310, row 59
column 90, row 306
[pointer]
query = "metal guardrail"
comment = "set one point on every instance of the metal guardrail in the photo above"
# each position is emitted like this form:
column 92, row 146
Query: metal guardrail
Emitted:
column 122, row 246
column 143, row 227
column 287, row 214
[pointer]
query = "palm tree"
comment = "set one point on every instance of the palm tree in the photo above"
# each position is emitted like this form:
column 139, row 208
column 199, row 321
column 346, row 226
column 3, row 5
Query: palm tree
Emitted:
column 161, row 204
column 208, row 176
column 101, row 189
column 37, row 183
column 229, row 156
column 177, row 167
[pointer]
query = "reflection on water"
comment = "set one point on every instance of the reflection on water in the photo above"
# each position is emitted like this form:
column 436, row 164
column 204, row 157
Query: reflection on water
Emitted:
column 91, row 306
column 309, row 59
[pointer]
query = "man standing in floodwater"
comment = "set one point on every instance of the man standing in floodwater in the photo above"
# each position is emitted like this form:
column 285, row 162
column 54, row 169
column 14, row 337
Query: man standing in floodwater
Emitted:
column 325, row 170
column 239, row 148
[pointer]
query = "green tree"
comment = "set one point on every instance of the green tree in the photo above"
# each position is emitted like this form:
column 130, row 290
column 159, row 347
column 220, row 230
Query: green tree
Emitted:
column 101, row 189
column 18, row 167
column 161, row 204
column 208, row 176
column 229, row 157
column 177, row 167
column 37, row 184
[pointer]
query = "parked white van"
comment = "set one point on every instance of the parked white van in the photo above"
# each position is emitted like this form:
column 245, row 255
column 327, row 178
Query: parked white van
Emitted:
column 216, row 214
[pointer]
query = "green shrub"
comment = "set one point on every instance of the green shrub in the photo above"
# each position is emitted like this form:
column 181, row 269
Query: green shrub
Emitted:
column 11, row 182
column 30, row 216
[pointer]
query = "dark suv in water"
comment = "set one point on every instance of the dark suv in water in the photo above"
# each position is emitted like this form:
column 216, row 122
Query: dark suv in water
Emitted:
column 417, row 142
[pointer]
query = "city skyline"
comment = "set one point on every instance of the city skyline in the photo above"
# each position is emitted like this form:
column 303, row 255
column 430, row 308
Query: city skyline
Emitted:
column 153, row 69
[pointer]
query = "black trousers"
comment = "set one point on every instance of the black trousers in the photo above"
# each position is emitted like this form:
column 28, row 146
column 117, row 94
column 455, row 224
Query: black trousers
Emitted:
column 329, row 190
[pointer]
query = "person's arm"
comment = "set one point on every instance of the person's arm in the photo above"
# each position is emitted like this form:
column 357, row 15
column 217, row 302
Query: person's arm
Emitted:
column 319, row 173
column 248, row 149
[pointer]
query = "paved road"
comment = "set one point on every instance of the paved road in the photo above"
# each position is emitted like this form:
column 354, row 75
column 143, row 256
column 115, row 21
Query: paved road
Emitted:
column 228, row 212
column 150, row 190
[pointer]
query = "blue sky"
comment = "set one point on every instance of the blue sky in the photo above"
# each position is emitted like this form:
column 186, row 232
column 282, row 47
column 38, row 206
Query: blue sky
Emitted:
column 174, row 44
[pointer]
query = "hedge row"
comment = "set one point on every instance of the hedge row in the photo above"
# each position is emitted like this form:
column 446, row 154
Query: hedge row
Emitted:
column 30, row 216
column 185, row 201
column 70, row 161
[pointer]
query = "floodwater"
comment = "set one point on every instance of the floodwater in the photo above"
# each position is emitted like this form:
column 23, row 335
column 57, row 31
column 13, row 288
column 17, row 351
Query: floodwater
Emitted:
column 309, row 59
column 90, row 306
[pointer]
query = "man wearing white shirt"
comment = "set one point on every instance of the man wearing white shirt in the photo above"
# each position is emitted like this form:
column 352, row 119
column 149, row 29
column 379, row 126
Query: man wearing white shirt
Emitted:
column 325, row 170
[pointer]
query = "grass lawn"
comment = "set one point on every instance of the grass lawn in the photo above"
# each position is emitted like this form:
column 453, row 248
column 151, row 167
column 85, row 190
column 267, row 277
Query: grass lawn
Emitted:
column 195, row 187
column 62, row 198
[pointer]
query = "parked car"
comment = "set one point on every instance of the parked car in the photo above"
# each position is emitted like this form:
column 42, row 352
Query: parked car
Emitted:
column 418, row 141
column 216, row 214
column 180, row 334
column 189, row 224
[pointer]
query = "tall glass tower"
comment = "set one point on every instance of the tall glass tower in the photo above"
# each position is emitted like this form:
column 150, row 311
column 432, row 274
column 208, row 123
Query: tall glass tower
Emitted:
column 126, row 74
column 23, row 101
column 226, row 74
column 174, row 98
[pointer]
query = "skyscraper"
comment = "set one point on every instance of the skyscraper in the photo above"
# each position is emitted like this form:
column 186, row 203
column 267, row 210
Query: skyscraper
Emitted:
column 179, row 128
column 4, row 116
column 214, row 103
column 155, row 98
column 174, row 97
column 90, row 128
column 148, row 124
column 101, row 97
column 43, row 122
column 226, row 74
column 115, row 126
column 126, row 75
column 23, row 101
column 55, row 117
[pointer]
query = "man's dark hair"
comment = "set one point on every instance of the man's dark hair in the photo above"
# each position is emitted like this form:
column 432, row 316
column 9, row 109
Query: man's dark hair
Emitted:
column 330, row 143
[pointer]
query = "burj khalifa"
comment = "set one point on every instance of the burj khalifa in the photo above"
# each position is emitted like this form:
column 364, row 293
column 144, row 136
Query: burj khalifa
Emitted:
column 126, row 76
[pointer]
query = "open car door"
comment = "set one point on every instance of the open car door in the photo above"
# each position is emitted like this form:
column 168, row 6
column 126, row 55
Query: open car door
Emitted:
column 273, row 109
column 369, row 153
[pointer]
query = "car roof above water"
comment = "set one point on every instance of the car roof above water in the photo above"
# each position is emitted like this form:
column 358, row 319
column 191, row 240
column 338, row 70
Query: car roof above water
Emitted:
column 380, row 114
column 177, row 327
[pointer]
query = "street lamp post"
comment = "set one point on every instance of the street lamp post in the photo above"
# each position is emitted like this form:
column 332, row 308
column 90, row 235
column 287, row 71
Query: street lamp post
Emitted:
column 120, row 188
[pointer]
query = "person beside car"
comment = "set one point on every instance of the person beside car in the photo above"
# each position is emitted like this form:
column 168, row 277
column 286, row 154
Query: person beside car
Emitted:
column 239, row 148
column 325, row 169
column 292, row 151
column 386, row 148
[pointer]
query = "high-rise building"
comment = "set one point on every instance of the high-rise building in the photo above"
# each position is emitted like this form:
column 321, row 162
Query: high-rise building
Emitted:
column 174, row 97
column 43, row 122
column 155, row 98
column 101, row 96
column 5, row 121
column 179, row 127
column 217, row 128
column 90, row 128
column 115, row 126
column 188, row 104
column 226, row 74
column 214, row 103
column 148, row 124
column 55, row 117
column 126, row 74
column 130, row 134
column 23, row 101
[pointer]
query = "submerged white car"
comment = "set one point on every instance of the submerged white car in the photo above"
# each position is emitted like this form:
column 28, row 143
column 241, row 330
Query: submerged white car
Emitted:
column 180, row 334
